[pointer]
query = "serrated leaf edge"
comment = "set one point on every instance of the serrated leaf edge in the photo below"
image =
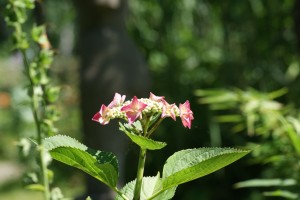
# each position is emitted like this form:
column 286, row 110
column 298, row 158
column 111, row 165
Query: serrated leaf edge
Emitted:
column 230, row 149
column 79, row 145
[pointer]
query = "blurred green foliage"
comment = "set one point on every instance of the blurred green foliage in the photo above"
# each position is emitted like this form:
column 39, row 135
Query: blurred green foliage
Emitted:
column 218, row 43
column 277, row 131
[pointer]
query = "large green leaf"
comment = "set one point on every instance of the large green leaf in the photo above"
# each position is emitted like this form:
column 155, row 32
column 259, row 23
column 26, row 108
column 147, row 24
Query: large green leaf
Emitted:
column 101, row 165
column 190, row 164
column 143, row 142
column 150, row 186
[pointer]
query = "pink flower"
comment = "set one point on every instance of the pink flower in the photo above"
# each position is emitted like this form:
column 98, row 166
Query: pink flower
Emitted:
column 134, row 109
column 102, row 116
column 168, row 110
column 186, row 114
column 156, row 98
column 118, row 100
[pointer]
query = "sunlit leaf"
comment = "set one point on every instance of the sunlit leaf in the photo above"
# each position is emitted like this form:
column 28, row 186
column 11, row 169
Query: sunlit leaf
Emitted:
column 101, row 165
column 142, row 141
column 150, row 187
column 190, row 164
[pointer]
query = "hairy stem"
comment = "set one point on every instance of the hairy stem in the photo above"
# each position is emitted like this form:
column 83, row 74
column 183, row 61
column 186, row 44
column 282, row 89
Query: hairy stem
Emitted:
column 44, row 168
column 35, row 110
column 34, row 105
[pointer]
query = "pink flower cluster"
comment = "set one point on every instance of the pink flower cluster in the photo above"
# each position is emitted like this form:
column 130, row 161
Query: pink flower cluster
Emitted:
column 136, row 108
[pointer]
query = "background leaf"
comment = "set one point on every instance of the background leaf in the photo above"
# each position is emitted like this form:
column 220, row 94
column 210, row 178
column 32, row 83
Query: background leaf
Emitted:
column 281, row 193
column 265, row 183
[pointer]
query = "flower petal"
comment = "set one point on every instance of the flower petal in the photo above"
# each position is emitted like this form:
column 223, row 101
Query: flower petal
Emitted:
column 168, row 110
column 186, row 114
column 118, row 100
column 96, row 117
column 134, row 109
column 102, row 116
column 156, row 98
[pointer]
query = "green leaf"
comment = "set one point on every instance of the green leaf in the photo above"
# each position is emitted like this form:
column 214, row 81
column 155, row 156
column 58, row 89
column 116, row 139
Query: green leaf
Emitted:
column 282, row 193
column 150, row 186
column 127, row 190
column 56, row 194
column 229, row 118
column 37, row 33
column 56, row 141
column 160, row 193
column 52, row 93
column 265, row 183
column 35, row 187
column 277, row 93
column 142, row 141
column 293, row 131
column 45, row 58
column 190, row 164
column 216, row 96
column 101, row 165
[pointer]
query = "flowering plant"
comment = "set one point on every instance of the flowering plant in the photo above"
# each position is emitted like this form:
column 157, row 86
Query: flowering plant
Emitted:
column 142, row 117
column 154, row 109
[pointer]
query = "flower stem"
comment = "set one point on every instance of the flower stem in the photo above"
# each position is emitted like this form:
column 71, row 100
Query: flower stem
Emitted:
column 120, row 193
column 154, row 126
column 140, row 173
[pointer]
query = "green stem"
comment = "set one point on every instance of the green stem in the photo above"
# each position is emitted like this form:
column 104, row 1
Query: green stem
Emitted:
column 35, row 108
column 120, row 193
column 140, row 174
column 47, row 195
column 154, row 127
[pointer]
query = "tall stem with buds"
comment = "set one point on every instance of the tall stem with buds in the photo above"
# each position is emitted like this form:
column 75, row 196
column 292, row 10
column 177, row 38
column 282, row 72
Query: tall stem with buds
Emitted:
column 42, row 94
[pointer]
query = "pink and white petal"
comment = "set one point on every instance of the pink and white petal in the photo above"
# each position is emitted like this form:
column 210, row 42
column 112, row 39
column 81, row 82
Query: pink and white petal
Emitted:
column 134, row 109
column 186, row 114
column 132, row 116
column 118, row 100
column 104, row 121
column 187, row 122
column 127, row 108
column 172, row 112
column 96, row 117
column 153, row 97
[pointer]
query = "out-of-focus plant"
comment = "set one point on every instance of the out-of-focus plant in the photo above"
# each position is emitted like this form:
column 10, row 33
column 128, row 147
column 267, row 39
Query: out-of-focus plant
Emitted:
column 37, row 58
column 275, row 127
column 142, row 117
column 216, row 42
